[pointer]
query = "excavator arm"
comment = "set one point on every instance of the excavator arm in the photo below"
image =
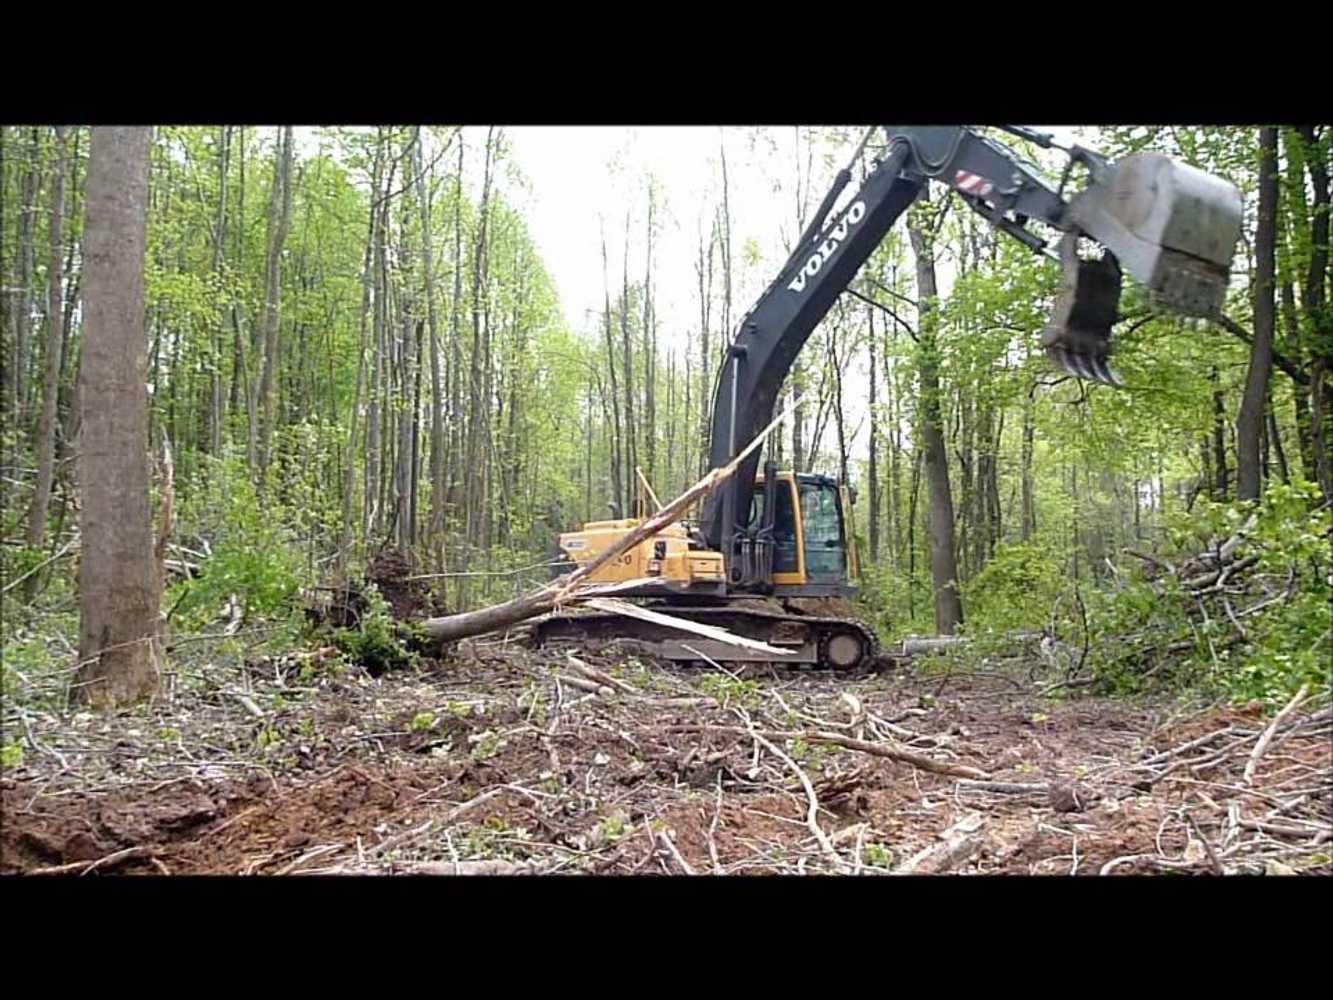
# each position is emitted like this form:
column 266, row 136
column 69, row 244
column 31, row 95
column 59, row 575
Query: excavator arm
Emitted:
column 1172, row 226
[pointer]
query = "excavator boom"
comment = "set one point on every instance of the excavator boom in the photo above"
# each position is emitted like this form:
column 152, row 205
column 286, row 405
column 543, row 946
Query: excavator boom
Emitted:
column 1172, row 227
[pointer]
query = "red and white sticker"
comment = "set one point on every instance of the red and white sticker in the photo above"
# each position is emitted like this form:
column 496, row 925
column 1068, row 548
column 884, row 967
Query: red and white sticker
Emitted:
column 972, row 183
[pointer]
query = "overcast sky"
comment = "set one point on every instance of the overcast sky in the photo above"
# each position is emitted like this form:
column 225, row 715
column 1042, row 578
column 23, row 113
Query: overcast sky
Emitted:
column 578, row 177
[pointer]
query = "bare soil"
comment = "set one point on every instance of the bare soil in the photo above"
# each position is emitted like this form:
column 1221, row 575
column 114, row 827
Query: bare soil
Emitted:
column 503, row 755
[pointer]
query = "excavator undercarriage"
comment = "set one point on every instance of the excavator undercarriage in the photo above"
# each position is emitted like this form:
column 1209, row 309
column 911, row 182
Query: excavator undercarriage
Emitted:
column 836, row 643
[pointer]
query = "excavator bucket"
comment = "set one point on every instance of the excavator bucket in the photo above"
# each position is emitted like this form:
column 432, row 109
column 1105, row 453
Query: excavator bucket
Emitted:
column 1078, row 336
column 1172, row 227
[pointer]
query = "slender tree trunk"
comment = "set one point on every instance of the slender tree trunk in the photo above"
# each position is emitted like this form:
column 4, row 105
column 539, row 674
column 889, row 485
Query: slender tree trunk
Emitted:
column 46, row 426
column 649, row 352
column 943, row 565
column 23, row 308
column 1314, row 298
column 436, row 532
column 1249, row 422
column 119, row 586
column 1275, row 441
column 704, row 272
column 873, row 470
column 615, row 402
column 456, row 348
column 1219, row 440
column 913, row 493
column 282, row 196
column 631, row 428
column 215, row 360
column 1029, row 527
column 476, row 497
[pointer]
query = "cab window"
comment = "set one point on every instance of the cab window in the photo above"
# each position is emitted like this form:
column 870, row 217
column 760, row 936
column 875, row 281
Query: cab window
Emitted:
column 784, row 526
column 821, row 522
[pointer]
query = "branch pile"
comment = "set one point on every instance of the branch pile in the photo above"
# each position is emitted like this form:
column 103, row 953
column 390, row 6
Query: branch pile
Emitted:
column 1220, row 590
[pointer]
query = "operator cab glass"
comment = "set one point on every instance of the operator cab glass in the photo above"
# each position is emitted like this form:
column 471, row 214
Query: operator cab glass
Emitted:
column 821, row 523
column 784, row 525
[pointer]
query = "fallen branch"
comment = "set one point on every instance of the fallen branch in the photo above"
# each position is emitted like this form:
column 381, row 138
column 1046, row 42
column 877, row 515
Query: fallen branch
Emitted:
column 129, row 854
column 878, row 749
column 567, row 588
column 960, row 844
column 812, row 801
column 466, row 868
column 1267, row 737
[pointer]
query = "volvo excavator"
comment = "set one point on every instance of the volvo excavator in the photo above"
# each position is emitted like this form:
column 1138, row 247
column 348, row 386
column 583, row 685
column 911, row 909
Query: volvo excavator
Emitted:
column 771, row 555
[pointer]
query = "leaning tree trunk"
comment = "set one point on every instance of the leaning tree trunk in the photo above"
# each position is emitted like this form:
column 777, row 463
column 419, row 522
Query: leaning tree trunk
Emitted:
column 119, row 587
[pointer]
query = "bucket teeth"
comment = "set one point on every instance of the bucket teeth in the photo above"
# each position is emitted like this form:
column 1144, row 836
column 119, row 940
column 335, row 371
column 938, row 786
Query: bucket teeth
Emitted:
column 1078, row 336
column 1091, row 366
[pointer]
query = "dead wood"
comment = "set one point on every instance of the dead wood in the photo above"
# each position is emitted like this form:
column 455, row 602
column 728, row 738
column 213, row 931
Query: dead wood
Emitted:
column 878, row 749
column 571, row 587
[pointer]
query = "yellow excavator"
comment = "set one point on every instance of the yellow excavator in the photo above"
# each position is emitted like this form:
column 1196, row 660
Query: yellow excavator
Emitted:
column 771, row 556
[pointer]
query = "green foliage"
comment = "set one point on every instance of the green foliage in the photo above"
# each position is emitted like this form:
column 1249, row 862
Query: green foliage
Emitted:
column 1287, row 642
column 730, row 690
column 253, row 556
column 1016, row 589
column 487, row 746
column 878, row 855
column 377, row 643
column 11, row 755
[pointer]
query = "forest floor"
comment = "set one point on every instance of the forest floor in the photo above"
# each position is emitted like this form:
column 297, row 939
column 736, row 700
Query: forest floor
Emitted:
column 506, row 759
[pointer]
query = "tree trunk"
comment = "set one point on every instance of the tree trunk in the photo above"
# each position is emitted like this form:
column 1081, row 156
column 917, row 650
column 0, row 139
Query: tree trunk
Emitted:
column 46, row 426
column 279, row 206
column 649, row 354
column 615, row 401
column 23, row 308
column 943, row 565
column 873, row 471
column 1249, row 422
column 631, row 428
column 119, row 588
column 1219, row 440
column 1314, row 299
column 215, row 367
column 436, row 532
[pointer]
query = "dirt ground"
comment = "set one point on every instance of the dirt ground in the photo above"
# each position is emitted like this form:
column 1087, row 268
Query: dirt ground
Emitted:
column 504, row 759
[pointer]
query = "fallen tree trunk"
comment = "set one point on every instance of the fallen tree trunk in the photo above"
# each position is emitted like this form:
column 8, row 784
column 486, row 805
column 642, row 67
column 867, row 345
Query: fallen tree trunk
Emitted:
column 571, row 587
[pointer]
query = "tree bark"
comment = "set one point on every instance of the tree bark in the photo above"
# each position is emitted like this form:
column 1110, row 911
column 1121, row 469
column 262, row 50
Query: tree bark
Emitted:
column 943, row 564
column 23, row 308
column 1249, row 422
column 1316, row 306
column 119, row 589
column 436, row 532
column 46, row 425
column 279, row 206
column 873, row 471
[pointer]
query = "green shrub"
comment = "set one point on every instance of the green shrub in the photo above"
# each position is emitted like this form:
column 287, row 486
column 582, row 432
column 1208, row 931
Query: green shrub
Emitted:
column 377, row 643
column 253, row 556
column 1287, row 643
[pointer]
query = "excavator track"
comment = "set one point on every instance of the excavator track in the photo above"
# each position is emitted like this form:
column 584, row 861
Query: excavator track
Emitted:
column 829, row 643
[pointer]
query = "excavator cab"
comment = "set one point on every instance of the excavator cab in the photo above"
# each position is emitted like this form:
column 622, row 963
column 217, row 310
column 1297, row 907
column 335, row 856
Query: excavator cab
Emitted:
column 812, row 553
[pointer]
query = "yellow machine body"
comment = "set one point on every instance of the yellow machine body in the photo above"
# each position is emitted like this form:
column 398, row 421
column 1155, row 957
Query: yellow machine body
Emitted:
column 668, row 556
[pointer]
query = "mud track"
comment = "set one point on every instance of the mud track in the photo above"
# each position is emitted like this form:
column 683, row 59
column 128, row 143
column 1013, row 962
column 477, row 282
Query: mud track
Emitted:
column 513, row 761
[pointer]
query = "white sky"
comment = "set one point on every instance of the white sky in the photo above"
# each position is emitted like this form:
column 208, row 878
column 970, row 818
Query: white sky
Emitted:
column 576, row 176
